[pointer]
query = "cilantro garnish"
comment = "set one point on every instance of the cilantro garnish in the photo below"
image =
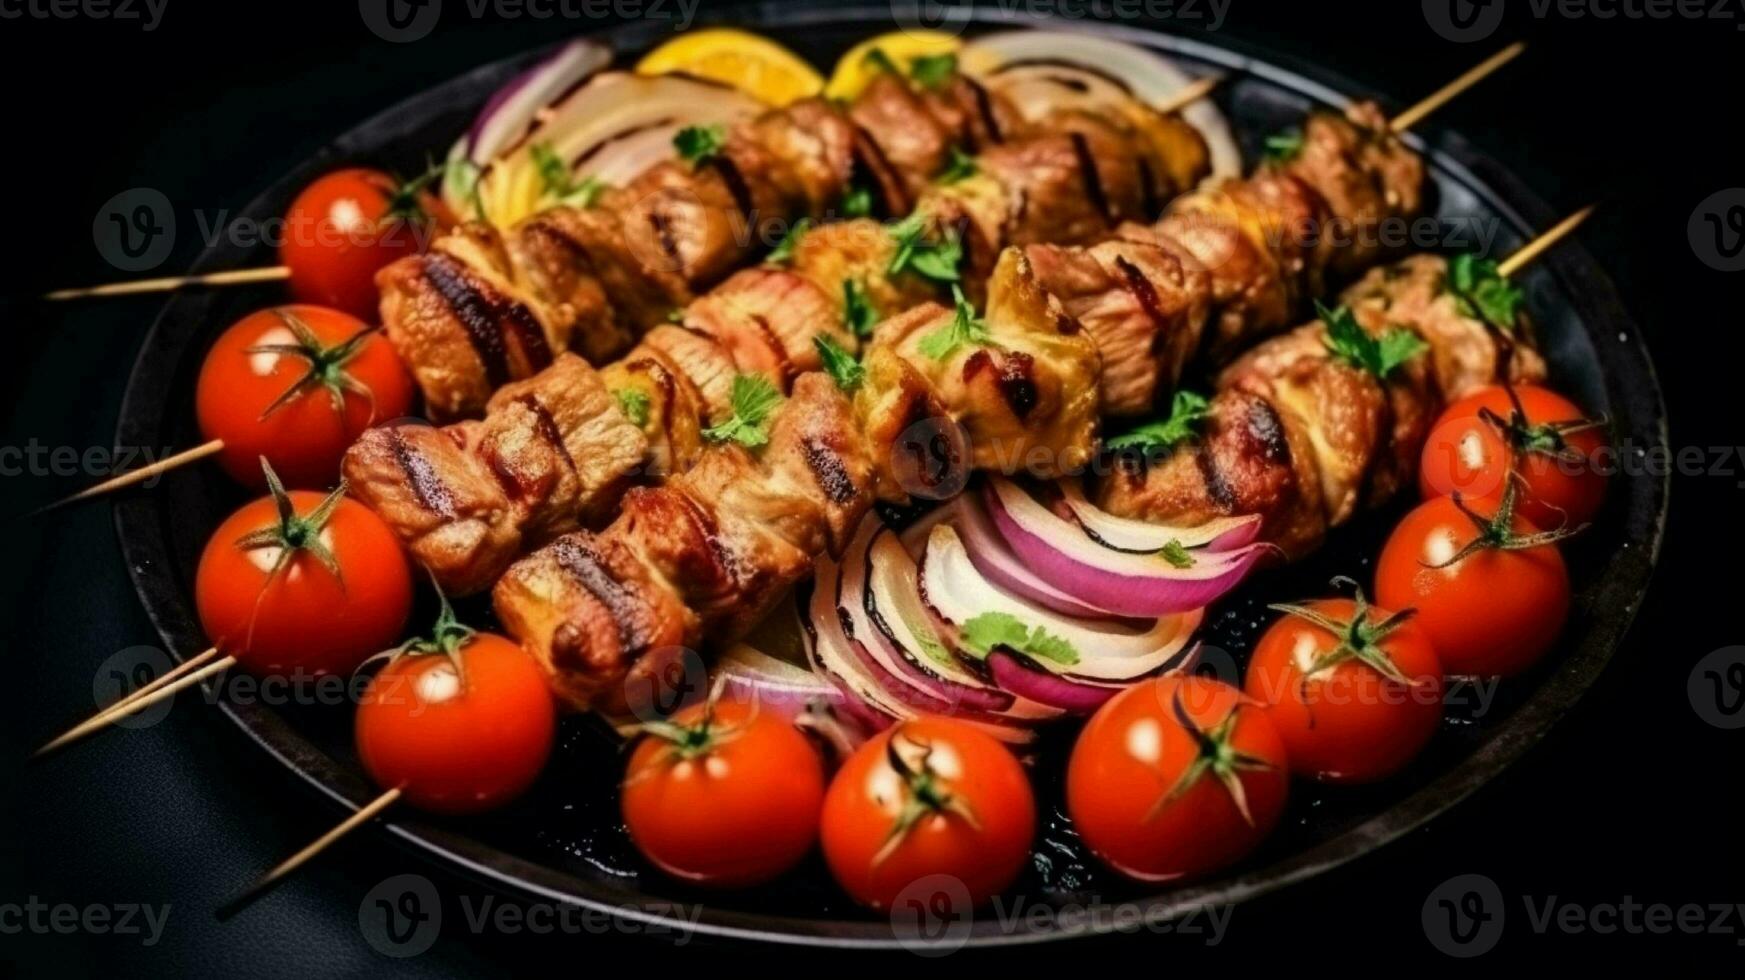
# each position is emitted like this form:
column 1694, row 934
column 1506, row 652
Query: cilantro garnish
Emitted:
column 935, row 260
column 698, row 143
column 1483, row 293
column 754, row 398
column 843, row 368
column 965, row 329
column 634, row 404
column 990, row 630
column 1356, row 346
column 1186, row 412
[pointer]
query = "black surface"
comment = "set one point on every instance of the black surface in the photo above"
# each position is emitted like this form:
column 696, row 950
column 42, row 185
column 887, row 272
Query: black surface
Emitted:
column 1620, row 801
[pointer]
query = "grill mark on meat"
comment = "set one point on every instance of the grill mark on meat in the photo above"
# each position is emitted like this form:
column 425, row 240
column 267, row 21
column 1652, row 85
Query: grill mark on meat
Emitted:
column 583, row 565
column 1093, row 180
column 775, row 343
column 1149, row 199
column 1146, row 295
column 663, row 230
column 883, row 174
column 735, row 180
column 427, row 487
column 828, row 468
column 985, row 109
column 546, row 426
column 529, row 335
column 1268, row 429
column 1217, row 487
column 1015, row 379
column 469, row 306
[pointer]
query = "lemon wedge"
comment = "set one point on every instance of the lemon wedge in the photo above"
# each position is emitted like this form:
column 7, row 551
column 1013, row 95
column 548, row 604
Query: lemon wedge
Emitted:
column 856, row 69
column 749, row 62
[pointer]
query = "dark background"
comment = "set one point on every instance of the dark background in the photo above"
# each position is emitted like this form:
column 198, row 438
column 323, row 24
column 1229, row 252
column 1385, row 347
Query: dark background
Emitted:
column 1632, row 795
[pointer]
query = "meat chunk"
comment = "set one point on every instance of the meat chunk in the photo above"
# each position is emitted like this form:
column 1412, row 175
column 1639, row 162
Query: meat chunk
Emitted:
column 1365, row 174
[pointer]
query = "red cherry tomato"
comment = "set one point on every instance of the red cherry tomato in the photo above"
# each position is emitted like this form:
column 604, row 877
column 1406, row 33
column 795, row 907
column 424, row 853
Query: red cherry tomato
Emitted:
column 274, row 385
column 1491, row 590
column 725, row 795
column 1354, row 691
column 300, row 583
column 1535, row 433
column 346, row 226
column 928, row 797
column 461, row 725
column 1176, row 777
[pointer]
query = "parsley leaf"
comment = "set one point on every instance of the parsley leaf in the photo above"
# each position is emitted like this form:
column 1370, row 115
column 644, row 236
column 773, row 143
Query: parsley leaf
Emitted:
column 560, row 183
column 856, row 202
column 990, row 630
column 634, row 404
column 1357, row 347
column 1186, row 412
column 933, row 70
column 839, row 363
column 961, row 166
column 879, row 61
column 1282, row 147
column 937, row 261
column 783, row 253
column 857, row 309
column 754, row 398
column 1176, row 554
column 676, row 315
column 1483, row 293
column 964, row 329
column 698, row 143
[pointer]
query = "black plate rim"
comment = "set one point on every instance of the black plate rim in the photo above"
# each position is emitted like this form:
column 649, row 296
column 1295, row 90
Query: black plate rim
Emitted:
column 141, row 532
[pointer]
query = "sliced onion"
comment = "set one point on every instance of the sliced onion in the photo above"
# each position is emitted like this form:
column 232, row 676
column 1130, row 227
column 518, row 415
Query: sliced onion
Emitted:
column 1124, row 584
column 1047, row 687
column 612, row 129
column 1108, row 651
column 1142, row 537
column 513, row 110
column 828, row 651
column 995, row 559
column 1110, row 68
column 749, row 674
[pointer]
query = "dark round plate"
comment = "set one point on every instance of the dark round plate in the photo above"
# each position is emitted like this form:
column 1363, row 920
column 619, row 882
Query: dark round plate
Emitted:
column 563, row 843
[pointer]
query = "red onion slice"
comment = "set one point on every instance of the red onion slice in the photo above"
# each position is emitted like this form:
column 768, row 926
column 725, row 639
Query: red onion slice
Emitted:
column 1046, row 687
column 750, row 675
column 1143, row 537
column 1124, row 584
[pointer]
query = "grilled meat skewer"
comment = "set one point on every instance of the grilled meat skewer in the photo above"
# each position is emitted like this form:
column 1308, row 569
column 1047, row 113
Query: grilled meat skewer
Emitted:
column 1307, row 439
column 484, row 307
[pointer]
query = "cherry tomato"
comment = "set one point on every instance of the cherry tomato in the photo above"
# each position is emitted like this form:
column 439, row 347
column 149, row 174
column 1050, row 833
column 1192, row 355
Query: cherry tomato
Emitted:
column 725, row 795
column 1533, row 432
column 1354, row 691
column 297, row 582
column 1491, row 590
column 349, row 224
column 928, row 797
column 1176, row 777
column 461, row 723
column 296, row 385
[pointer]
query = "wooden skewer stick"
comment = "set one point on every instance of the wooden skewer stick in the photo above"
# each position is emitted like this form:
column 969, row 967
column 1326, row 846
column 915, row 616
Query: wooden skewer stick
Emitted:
column 364, row 815
column 234, row 277
column 140, row 475
column 1189, row 94
column 136, row 705
column 114, row 711
column 1442, row 96
column 1537, row 246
